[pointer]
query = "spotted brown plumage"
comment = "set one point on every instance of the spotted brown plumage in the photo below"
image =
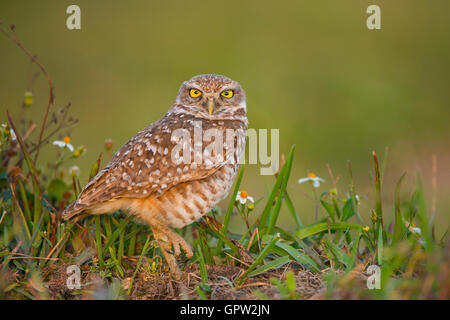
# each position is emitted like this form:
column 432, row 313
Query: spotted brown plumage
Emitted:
column 147, row 177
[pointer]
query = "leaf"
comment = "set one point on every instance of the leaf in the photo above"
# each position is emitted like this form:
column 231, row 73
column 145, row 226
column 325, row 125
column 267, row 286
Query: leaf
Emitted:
column 298, row 256
column 336, row 208
column 398, row 223
column 202, row 264
column 269, row 204
column 347, row 210
column 329, row 208
column 143, row 252
column 341, row 256
column 274, row 264
column 116, row 234
column 355, row 249
column 98, row 240
column 380, row 246
column 320, row 227
column 259, row 259
column 285, row 173
column 292, row 211
column 226, row 220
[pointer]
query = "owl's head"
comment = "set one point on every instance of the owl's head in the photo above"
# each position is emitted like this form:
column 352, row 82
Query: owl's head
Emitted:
column 212, row 96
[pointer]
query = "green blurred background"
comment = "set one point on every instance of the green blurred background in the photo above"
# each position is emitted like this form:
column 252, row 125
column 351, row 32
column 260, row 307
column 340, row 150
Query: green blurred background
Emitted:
column 335, row 89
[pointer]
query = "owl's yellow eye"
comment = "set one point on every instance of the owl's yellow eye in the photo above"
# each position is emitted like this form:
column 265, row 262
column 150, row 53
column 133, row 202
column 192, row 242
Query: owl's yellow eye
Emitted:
column 194, row 93
column 227, row 93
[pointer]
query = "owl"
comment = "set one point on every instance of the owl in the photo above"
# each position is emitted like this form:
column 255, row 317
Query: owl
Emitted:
column 178, row 168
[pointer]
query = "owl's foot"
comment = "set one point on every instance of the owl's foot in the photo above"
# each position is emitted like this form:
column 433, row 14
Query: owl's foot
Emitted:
column 168, row 239
column 172, row 239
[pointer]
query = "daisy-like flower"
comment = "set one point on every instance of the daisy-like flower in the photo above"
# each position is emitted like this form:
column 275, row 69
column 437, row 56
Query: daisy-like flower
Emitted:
column 415, row 229
column 312, row 178
column 243, row 196
column 9, row 131
column 74, row 171
column 13, row 134
column 65, row 143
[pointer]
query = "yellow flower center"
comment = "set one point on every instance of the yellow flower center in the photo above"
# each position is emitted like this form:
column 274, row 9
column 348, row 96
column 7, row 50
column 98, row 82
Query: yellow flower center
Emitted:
column 366, row 229
column 66, row 139
column 413, row 225
column 244, row 194
column 311, row 175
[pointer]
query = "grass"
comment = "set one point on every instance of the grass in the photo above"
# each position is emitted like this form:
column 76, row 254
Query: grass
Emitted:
column 325, row 259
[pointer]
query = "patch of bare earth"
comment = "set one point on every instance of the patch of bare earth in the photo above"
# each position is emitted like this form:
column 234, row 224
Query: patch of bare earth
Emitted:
column 220, row 279
column 162, row 286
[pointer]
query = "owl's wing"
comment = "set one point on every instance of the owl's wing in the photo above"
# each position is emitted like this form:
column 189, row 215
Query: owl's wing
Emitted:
column 145, row 165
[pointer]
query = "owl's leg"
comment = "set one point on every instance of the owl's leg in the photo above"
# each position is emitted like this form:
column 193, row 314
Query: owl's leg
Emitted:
column 168, row 238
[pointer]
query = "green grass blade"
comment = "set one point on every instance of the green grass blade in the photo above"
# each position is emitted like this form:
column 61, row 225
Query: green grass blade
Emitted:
column 398, row 223
column 380, row 247
column 355, row 249
column 143, row 252
column 286, row 173
column 329, row 209
column 132, row 243
column 298, row 256
column 98, row 240
column 227, row 217
column 23, row 195
column 259, row 259
column 340, row 255
column 292, row 211
column 269, row 204
column 274, row 264
column 116, row 234
column 378, row 204
column 202, row 265
column 321, row 227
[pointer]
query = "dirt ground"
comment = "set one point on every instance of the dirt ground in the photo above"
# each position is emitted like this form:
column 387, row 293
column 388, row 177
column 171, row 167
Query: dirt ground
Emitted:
column 149, row 285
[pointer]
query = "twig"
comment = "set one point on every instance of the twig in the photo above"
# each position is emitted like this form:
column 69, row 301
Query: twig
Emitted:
column 51, row 97
column 29, row 257
column 3, row 215
column 240, row 261
column 56, row 246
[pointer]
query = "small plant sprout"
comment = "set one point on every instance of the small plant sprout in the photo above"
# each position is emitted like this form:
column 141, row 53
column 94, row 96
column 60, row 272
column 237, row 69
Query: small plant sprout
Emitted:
column 108, row 144
column 64, row 143
column 28, row 100
column 74, row 171
column 312, row 178
column 79, row 152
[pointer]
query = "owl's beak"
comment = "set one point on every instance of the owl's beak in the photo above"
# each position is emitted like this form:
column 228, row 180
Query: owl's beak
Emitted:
column 211, row 105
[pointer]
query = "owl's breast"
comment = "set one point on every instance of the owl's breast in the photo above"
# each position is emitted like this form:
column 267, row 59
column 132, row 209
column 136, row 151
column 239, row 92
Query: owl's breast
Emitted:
column 189, row 201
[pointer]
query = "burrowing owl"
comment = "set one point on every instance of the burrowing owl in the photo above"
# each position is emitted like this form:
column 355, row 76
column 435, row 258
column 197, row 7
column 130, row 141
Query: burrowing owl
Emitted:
column 177, row 169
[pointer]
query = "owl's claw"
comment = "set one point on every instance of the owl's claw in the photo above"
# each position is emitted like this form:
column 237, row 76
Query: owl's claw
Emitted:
column 168, row 239
column 171, row 239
